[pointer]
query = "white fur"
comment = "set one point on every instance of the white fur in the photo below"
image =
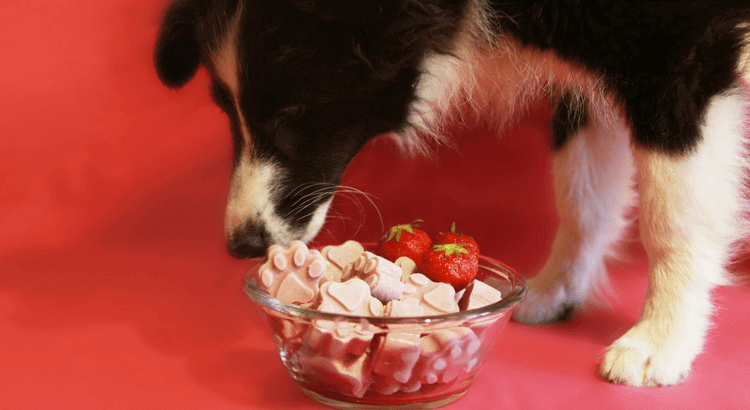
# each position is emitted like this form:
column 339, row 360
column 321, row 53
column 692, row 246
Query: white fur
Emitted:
column 690, row 204
column 224, row 58
column 252, row 196
column 254, row 185
column 494, row 79
column 593, row 177
column 690, row 217
column 439, row 83
column 227, row 68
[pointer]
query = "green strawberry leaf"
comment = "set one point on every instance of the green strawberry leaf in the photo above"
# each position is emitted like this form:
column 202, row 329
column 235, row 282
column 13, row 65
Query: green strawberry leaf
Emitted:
column 451, row 249
column 397, row 230
column 453, row 229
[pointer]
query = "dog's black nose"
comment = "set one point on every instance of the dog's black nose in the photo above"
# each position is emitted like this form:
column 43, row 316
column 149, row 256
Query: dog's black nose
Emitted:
column 248, row 241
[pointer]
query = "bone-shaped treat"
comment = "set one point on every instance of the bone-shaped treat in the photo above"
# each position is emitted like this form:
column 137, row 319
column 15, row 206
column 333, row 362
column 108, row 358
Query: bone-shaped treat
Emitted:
column 407, row 266
column 382, row 276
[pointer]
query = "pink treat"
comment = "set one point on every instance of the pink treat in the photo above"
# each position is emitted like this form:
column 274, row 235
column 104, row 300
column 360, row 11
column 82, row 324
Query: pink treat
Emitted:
column 446, row 354
column 349, row 376
column 337, row 338
column 341, row 259
column 479, row 294
column 382, row 276
column 389, row 385
column 436, row 298
column 291, row 332
column 291, row 273
column 396, row 354
column 407, row 267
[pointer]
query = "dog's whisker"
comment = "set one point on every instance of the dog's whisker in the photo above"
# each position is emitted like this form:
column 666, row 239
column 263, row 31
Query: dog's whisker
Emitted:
column 315, row 187
column 313, row 196
column 312, row 199
column 354, row 195
column 306, row 185
column 369, row 198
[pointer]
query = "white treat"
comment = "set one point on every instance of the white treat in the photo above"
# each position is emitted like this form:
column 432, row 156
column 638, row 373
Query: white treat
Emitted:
column 479, row 295
column 407, row 266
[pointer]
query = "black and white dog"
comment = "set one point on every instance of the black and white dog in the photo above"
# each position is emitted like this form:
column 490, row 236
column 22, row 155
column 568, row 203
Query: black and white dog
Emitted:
column 645, row 94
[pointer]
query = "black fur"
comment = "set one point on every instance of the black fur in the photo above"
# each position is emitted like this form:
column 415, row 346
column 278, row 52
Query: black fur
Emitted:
column 570, row 115
column 321, row 78
column 664, row 60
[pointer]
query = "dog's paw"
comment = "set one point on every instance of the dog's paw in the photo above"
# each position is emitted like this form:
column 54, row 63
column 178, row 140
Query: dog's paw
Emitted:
column 635, row 360
column 545, row 304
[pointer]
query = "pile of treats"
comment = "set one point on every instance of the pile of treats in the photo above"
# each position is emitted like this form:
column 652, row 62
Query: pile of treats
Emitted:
column 353, row 358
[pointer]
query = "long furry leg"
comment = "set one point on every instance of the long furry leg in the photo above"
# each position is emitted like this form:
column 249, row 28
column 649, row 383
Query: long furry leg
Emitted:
column 690, row 217
column 593, row 187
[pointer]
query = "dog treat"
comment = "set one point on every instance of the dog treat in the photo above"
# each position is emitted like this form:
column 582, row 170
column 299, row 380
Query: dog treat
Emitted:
column 292, row 273
column 407, row 266
column 479, row 294
column 352, row 356
column 397, row 352
column 389, row 385
column 382, row 276
column 336, row 338
column 436, row 298
column 347, row 375
column 445, row 354
column 340, row 259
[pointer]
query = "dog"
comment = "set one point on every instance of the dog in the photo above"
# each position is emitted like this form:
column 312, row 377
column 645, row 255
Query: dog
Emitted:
column 648, row 108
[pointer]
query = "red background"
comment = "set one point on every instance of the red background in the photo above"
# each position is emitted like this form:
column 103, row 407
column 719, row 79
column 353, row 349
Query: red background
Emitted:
column 116, row 290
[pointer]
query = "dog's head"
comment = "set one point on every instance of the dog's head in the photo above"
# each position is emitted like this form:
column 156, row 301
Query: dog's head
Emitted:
column 305, row 83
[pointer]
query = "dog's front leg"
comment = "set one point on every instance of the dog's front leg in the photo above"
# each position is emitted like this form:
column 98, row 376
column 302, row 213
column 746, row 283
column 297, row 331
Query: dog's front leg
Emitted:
column 690, row 206
column 593, row 176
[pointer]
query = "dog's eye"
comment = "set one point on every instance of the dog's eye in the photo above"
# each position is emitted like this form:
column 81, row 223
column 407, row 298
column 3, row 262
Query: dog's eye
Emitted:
column 284, row 135
column 290, row 113
column 221, row 96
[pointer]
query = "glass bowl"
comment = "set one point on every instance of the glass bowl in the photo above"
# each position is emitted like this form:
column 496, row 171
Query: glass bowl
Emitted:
column 438, row 356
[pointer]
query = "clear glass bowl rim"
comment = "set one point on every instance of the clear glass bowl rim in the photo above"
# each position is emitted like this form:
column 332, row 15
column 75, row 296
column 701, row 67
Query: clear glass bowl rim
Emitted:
column 507, row 303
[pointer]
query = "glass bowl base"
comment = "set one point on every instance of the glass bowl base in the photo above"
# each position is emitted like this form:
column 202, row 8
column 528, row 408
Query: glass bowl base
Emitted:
column 364, row 406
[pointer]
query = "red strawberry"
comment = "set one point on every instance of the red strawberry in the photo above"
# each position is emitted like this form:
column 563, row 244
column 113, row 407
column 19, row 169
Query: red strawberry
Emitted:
column 453, row 237
column 452, row 263
column 404, row 240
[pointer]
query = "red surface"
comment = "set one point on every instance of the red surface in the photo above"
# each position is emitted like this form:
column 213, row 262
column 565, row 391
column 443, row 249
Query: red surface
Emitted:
column 116, row 291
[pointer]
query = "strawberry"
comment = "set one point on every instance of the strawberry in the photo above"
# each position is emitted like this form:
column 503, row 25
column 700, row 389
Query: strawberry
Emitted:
column 452, row 263
column 404, row 240
column 453, row 237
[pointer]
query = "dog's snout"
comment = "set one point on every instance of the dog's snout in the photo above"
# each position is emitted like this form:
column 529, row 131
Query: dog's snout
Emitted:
column 249, row 241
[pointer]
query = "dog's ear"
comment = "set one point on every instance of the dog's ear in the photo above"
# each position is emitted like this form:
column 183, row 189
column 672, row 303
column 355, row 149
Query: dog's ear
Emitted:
column 177, row 53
